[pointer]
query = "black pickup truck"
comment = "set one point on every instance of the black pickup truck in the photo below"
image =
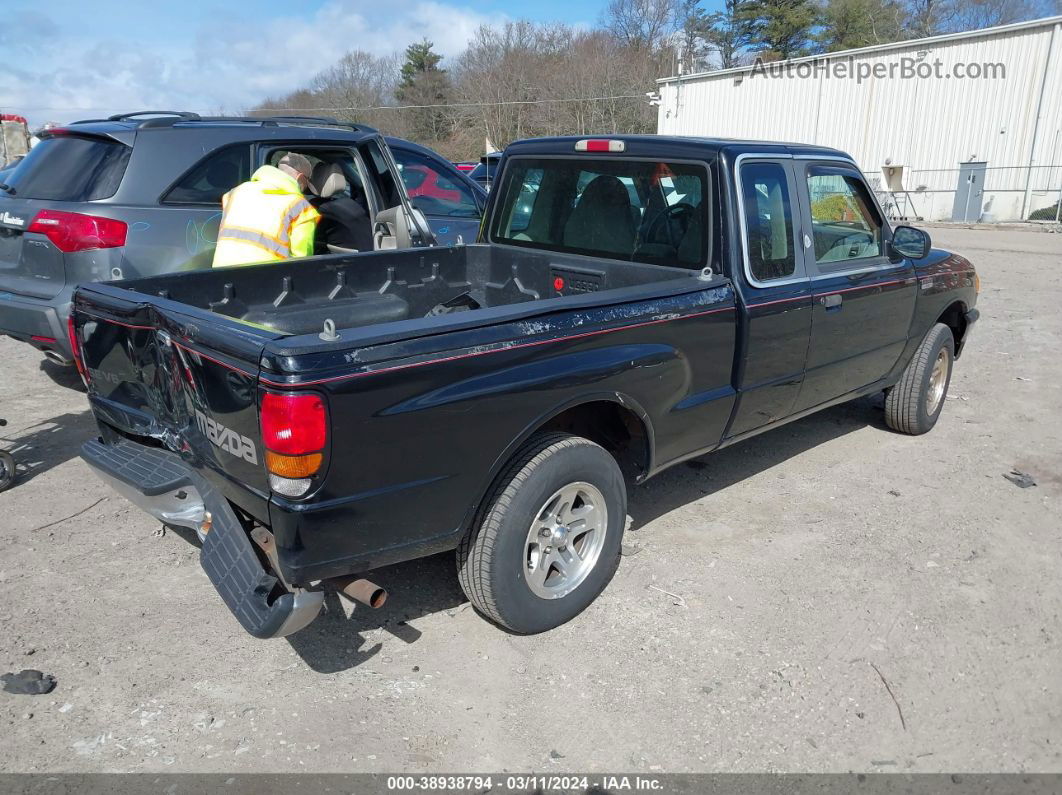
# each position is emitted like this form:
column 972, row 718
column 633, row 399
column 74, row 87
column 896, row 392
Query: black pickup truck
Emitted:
column 632, row 302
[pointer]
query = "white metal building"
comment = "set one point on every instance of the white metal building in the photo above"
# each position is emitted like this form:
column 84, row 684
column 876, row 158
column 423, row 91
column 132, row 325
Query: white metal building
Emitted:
column 965, row 126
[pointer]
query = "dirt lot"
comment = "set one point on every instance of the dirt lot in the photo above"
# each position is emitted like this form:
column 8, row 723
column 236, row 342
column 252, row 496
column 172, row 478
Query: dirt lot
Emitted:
column 814, row 568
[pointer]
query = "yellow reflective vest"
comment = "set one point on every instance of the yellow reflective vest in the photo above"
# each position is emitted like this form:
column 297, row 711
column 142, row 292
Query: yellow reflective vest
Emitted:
column 265, row 220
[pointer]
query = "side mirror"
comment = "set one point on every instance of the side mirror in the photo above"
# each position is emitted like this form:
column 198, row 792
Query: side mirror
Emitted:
column 910, row 242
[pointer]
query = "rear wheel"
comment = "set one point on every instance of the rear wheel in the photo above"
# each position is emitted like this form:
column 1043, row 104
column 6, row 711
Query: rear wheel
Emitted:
column 547, row 539
column 914, row 404
column 7, row 470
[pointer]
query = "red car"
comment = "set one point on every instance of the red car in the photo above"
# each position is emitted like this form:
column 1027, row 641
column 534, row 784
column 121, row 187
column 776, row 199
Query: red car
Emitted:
column 421, row 181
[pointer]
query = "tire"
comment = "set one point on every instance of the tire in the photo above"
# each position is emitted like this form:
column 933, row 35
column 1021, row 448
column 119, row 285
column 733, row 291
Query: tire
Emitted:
column 7, row 470
column 518, row 577
column 914, row 404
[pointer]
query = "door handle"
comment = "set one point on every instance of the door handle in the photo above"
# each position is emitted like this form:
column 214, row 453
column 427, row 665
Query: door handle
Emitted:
column 831, row 301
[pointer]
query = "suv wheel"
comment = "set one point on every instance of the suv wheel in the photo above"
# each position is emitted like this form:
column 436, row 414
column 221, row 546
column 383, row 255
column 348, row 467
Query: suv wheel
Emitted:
column 547, row 539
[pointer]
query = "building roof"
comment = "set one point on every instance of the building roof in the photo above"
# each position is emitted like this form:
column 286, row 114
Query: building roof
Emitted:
column 895, row 45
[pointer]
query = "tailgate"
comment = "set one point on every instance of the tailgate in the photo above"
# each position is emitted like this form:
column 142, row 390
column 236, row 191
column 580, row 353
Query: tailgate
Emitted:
column 177, row 377
column 29, row 264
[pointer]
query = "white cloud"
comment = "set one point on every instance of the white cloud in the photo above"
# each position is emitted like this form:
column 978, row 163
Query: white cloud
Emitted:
column 225, row 61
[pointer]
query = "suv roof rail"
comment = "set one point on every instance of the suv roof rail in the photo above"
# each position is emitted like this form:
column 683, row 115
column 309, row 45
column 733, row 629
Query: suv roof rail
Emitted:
column 158, row 118
column 168, row 118
column 183, row 115
column 273, row 121
column 322, row 121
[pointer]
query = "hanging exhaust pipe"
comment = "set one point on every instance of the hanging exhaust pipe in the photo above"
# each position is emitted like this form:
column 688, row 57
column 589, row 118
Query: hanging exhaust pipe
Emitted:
column 58, row 358
column 364, row 591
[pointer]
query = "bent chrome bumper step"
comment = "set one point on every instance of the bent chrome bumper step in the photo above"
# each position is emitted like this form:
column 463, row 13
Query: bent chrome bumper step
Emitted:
column 162, row 485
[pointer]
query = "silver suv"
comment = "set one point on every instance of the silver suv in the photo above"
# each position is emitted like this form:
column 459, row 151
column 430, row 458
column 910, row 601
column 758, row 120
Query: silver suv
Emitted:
column 140, row 195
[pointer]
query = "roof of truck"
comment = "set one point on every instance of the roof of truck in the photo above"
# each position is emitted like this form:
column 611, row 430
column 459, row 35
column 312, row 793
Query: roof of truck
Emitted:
column 673, row 145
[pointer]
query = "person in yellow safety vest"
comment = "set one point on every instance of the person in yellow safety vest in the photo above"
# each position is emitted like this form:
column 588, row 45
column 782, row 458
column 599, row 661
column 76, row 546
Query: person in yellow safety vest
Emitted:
column 268, row 219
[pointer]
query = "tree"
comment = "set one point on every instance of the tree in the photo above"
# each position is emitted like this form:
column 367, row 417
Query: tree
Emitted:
column 693, row 24
column 781, row 28
column 426, row 88
column 975, row 14
column 419, row 60
column 848, row 24
column 641, row 24
column 730, row 32
column 358, row 86
column 926, row 18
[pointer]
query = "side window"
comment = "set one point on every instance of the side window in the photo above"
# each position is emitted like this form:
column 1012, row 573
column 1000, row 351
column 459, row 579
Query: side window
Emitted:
column 212, row 177
column 432, row 191
column 344, row 158
column 768, row 221
column 844, row 222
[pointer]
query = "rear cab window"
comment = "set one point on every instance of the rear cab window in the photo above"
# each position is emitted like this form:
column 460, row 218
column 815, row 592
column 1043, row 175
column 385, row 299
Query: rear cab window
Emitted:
column 651, row 211
column 74, row 168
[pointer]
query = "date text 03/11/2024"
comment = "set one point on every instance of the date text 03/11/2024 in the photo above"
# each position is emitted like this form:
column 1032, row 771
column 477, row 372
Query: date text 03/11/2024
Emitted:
column 523, row 783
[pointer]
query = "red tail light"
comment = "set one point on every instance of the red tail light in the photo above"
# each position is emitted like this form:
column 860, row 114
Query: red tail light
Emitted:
column 293, row 424
column 75, row 346
column 295, row 431
column 77, row 231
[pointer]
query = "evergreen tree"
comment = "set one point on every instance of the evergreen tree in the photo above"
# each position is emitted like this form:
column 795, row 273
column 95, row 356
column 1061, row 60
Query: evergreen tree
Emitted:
column 730, row 32
column 782, row 29
column 694, row 25
column 419, row 60
column 848, row 24
column 424, row 84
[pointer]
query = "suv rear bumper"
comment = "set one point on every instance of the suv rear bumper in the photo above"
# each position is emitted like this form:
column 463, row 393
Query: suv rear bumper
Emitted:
column 161, row 484
column 25, row 318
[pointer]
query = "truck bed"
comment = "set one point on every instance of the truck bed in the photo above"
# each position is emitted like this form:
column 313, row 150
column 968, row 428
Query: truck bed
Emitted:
column 296, row 297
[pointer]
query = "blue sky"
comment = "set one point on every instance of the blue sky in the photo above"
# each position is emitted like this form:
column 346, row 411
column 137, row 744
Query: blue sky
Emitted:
column 65, row 59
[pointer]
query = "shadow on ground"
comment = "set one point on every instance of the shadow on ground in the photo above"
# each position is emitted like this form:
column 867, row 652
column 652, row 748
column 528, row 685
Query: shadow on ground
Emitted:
column 714, row 472
column 47, row 444
column 424, row 587
column 64, row 376
column 415, row 589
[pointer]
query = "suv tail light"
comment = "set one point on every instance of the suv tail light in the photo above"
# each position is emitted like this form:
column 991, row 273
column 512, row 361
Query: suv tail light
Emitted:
column 77, row 231
column 75, row 346
column 294, row 432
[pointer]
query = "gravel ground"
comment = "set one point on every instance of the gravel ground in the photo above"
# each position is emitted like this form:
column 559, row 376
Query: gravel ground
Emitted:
column 829, row 596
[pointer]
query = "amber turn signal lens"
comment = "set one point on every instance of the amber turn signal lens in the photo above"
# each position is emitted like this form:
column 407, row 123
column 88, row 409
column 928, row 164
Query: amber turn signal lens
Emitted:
column 293, row 466
column 977, row 283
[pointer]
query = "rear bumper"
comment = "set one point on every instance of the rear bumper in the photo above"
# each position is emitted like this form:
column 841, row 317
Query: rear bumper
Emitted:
column 161, row 484
column 24, row 318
